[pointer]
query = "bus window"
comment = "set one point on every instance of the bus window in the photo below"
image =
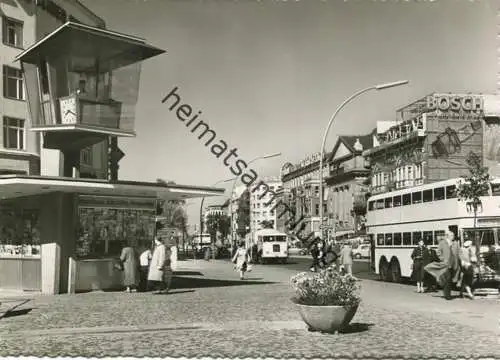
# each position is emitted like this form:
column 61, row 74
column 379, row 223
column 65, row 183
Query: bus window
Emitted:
column 438, row 235
column 407, row 238
column 406, row 199
column 451, row 192
column 396, row 201
column 427, row 195
column 417, row 236
column 370, row 206
column 428, row 238
column 388, row 202
column 438, row 194
column 397, row 239
column 388, row 239
column 379, row 204
column 416, row 197
column 380, row 239
column 495, row 189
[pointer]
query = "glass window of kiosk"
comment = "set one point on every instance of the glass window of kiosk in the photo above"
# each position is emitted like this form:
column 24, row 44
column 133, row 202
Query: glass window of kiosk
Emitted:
column 19, row 233
column 103, row 232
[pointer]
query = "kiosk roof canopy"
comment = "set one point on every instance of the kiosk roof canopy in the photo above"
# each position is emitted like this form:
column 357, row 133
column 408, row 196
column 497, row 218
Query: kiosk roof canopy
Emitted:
column 71, row 39
column 13, row 186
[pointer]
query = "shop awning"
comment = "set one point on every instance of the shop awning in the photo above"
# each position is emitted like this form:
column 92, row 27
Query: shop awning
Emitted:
column 13, row 186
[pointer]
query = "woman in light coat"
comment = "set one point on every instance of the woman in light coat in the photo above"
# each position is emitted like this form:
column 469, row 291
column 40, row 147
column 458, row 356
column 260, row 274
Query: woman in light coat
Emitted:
column 241, row 259
column 157, row 267
column 130, row 262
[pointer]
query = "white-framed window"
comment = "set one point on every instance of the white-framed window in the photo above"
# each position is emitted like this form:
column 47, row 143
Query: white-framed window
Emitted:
column 86, row 156
column 410, row 173
column 12, row 32
column 13, row 83
column 418, row 171
column 13, row 133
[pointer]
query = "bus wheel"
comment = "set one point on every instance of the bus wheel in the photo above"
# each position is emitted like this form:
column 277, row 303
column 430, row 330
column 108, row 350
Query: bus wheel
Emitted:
column 383, row 270
column 395, row 271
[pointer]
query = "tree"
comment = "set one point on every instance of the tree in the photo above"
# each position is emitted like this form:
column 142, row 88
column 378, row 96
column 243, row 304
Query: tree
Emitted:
column 473, row 186
column 267, row 224
column 224, row 226
column 218, row 223
column 172, row 210
column 243, row 213
column 212, row 225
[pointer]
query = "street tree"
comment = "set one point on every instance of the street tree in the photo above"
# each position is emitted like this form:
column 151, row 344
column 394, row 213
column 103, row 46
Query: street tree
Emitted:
column 474, row 185
column 173, row 211
column 243, row 213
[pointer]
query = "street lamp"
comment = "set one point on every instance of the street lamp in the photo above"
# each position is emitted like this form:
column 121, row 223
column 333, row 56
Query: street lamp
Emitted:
column 346, row 101
column 201, row 214
column 269, row 156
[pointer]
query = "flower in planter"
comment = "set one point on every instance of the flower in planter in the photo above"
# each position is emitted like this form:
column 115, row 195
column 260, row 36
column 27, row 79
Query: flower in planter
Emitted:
column 327, row 287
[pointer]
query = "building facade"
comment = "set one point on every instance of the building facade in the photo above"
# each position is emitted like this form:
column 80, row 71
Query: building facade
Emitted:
column 347, row 185
column 262, row 205
column 301, row 194
column 233, row 210
column 431, row 139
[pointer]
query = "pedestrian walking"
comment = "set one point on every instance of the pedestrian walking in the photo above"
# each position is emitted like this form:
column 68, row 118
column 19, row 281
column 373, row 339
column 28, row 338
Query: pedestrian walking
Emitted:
column 156, row 267
column 419, row 254
column 130, row 262
column 317, row 253
column 240, row 259
column 144, row 261
column 468, row 261
column 442, row 270
column 346, row 259
column 167, row 270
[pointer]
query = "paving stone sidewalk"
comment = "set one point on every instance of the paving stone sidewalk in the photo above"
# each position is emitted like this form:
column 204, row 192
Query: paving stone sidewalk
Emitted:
column 216, row 315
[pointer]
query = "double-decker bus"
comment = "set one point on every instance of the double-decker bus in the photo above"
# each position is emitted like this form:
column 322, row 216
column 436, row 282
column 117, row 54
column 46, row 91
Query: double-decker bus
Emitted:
column 396, row 221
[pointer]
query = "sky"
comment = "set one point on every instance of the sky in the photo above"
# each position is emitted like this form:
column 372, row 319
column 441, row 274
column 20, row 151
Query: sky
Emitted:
column 267, row 75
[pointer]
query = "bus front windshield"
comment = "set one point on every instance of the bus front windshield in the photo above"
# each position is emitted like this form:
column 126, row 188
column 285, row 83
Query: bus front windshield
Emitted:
column 277, row 238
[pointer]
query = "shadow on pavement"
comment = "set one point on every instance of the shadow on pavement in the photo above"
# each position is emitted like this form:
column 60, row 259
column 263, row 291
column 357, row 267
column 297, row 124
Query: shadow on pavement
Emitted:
column 186, row 283
column 19, row 312
column 174, row 292
column 356, row 328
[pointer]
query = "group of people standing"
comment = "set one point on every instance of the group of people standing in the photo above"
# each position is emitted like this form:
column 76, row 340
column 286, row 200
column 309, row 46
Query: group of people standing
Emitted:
column 151, row 270
column 450, row 265
column 324, row 255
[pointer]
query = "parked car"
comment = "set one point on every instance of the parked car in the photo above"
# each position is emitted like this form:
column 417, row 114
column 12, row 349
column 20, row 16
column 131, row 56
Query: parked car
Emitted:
column 362, row 251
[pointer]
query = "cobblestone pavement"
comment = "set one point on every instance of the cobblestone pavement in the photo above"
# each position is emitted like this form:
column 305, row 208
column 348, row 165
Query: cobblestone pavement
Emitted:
column 218, row 318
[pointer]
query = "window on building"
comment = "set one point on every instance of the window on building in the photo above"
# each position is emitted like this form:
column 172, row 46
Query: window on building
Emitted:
column 86, row 156
column 451, row 192
column 416, row 197
column 396, row 201
column 316, row 210
column 397, row 239
column 13, row 83
column 12, row 32
column 407, row 199
column 438, row 194
column 417, row 236
column 427, row 195
column 13, row 133
column 418, row 171
column 410, row 172
column 407, row 238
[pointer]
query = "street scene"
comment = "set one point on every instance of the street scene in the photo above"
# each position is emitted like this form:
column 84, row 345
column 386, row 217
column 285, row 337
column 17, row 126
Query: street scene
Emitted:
column 258, row 179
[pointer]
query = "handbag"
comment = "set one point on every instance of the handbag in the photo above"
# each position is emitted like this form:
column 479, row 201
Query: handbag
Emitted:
column 118, row 265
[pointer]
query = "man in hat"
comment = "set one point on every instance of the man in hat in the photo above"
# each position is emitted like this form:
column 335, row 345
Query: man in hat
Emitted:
column 468, row 261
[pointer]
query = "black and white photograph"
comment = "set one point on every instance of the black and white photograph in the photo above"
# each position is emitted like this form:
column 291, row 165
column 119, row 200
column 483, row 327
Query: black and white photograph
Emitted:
column 250, row 179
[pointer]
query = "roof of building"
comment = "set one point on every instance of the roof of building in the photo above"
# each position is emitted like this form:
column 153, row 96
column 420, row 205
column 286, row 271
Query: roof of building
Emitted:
column 89, row 12
column 350, row 140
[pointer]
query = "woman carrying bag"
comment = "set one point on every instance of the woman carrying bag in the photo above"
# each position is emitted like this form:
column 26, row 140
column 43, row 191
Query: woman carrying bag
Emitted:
column 241, row 258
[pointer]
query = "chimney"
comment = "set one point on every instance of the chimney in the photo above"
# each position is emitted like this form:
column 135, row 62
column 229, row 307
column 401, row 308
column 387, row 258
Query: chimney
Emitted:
column 357, row 145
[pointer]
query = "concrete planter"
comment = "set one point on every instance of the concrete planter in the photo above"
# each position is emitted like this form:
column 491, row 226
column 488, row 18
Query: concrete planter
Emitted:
column 329, row 319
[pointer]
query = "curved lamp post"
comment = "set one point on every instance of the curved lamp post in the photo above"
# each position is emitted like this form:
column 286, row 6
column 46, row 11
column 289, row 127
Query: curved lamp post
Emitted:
column 201, row 213
column 346, row 101
column 269, row 156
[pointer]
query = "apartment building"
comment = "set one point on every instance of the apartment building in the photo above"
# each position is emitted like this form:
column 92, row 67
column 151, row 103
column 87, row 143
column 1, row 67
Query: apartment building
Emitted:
column 262, row 203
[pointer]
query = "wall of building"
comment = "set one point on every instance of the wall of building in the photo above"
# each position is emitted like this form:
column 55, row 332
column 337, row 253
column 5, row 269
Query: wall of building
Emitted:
column 262, row 202
column 25, row 159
